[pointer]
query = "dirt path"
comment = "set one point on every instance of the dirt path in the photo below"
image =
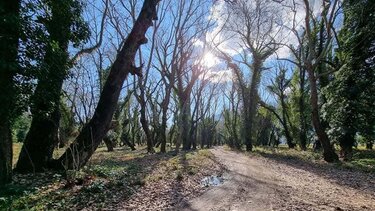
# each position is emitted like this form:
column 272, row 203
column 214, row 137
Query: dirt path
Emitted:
column 257, row 183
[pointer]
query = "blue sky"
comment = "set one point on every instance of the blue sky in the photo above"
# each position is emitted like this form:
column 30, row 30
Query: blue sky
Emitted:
column 119, row 15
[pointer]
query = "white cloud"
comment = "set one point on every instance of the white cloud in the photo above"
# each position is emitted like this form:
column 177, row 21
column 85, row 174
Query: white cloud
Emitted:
column 209, row 60
column 230, row 44
column 217, row 37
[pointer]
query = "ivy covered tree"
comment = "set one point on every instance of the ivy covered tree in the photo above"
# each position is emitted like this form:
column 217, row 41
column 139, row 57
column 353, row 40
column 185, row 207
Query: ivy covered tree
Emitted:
column 299, row 108
column 64, row 25
column 9, row 35
column 351, row 94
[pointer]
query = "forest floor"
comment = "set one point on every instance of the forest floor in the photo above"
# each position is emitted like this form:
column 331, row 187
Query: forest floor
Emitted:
column 266, row 179
column 119, row 180
column 275, row 181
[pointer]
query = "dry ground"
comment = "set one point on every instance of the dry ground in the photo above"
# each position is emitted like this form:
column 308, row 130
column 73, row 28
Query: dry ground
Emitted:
column 273, row 183
column 268, row 179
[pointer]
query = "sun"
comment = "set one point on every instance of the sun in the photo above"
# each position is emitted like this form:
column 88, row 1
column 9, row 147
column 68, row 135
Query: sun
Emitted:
column 209, row 60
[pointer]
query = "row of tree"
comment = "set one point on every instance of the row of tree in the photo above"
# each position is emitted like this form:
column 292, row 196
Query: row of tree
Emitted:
column 327, row 80
column 38, row 36
column 210, row 72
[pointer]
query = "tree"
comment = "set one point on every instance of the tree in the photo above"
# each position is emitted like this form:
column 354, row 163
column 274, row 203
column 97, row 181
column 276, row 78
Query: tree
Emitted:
column 93, row 132
column 311, row 63
column 310, row 55
column 178, row 64
column 279, row 87
column 350, row 95
column 232, row 118
column 142, row 86
column 64, row 25
column 254, row 24
column 299, row 108
column 9, row 35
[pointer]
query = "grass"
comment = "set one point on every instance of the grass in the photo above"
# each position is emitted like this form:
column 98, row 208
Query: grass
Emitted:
column 363, row 160
column 108, row 178
column 284, row 151
column 16, row 151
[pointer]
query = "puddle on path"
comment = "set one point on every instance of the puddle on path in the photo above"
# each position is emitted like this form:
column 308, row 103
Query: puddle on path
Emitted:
column 212, row 181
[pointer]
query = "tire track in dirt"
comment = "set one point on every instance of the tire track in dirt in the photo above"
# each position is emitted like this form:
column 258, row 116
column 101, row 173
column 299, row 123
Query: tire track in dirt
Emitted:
column 258, row 183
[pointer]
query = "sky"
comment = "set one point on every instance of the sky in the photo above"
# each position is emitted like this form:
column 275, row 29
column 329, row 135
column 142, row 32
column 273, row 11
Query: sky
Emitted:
column 216, row 12
column 288, row 15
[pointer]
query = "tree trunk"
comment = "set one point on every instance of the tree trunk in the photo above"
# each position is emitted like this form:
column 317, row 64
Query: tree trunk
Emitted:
column 248, row 134
column 369, row 145
column 194, row 140
column 288, row 137
column 346, row 145
column 9, row 34
column 42, row 137
column 125, row 140
column 163, row 127
column 171, row 135
column 109, row 144
column 252, row 103
column 163, row 133
column 301, row 104
column 6, row 153
column 91, row 135
column 39, row 144
column 144, row 123
column 192, row 134
column 183, row 124
column 202, row 136
column 328, row 151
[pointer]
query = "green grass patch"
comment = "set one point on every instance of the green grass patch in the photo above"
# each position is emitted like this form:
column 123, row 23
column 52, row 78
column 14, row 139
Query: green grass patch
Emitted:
column 285, row 152
column 363, row 160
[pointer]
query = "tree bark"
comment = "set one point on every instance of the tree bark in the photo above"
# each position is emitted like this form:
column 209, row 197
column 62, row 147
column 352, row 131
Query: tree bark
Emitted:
column 9, row 34
column 6, row 153
column 165, row 105
column 163, row 128
column 369, row 145
column 347, row 146
column 109, row 144
column 184, row 123
column 127, row 142
column 91, row 135
column 39, row 144
column 252, row 102
column 301, row 104
column 328, row 151
column 144, row 122
column 285, row 117
column 42, row 137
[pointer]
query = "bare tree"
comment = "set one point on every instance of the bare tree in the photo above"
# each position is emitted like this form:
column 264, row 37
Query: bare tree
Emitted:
column 310, row 55
column 232, row 117
column 253, row 24
column 92, row 134
column 177, row 63
column 142, row 97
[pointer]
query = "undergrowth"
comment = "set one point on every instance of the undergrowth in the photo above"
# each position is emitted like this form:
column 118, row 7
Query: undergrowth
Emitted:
column 109, row 178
